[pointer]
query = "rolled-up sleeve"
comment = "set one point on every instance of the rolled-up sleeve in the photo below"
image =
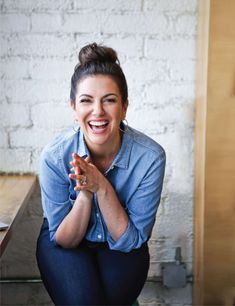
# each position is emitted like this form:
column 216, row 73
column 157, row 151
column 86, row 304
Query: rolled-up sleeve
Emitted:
column 142, row 208
column 54, row 191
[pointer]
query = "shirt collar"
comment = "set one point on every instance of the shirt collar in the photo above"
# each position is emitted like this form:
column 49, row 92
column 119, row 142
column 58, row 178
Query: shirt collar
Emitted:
column 123, row 156
column 82, row 147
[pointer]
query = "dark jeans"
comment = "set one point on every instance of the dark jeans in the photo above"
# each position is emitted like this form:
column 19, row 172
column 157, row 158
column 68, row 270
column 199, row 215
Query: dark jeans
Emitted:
column 91, row 274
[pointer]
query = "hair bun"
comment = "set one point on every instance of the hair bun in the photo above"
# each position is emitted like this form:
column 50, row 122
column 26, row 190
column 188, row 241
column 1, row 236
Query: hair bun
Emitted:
column 97, row 53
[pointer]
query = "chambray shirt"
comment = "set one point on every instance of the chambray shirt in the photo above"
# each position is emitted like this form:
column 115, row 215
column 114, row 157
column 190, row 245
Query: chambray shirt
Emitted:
column 136, row 175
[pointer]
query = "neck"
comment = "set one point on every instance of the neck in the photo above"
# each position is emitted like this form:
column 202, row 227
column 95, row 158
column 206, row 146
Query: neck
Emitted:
column 105, row 152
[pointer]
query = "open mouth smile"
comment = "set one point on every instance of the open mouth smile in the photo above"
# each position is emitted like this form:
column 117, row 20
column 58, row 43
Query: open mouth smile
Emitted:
column 98, row 126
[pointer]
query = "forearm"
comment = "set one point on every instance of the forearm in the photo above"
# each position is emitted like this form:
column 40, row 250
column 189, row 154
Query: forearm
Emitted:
column 73, row 228
column 113, row 213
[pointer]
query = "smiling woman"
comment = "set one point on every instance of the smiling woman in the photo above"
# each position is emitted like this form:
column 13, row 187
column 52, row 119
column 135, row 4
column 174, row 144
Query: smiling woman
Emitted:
column 101, row 188
column 99, row 110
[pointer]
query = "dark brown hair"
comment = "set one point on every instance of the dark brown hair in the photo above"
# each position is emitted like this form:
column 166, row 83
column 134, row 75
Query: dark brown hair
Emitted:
column 96, row 59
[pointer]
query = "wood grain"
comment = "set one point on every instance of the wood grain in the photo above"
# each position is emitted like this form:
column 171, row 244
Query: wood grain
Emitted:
column 200, row 149
column 215, row 174
column 14, row 194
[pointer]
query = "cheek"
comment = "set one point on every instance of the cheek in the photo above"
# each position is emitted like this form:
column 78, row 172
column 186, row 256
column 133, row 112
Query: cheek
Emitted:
column 81, row 113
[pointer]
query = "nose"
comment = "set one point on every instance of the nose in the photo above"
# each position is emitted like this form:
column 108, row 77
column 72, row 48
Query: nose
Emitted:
column 98, row 109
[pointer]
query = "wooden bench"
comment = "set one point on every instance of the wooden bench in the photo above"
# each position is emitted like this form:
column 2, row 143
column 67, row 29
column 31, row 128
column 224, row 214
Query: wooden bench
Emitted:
column 15, row 191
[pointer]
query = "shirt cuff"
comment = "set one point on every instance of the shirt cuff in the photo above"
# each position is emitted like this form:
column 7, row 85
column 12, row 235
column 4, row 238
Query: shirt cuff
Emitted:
column 128, row 241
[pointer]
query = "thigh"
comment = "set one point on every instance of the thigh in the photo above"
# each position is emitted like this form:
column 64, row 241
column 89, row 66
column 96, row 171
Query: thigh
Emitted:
column 70, row 275
column 123, row 274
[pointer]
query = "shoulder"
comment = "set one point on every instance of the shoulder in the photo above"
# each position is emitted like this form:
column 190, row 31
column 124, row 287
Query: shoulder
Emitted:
column 145, row 145
column 61, row 145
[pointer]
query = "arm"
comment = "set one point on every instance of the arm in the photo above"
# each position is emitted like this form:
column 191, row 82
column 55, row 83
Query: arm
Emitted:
column 73, row 227
column 113, row 213
column 142, row 208
column 67, row 223
column 127, row 230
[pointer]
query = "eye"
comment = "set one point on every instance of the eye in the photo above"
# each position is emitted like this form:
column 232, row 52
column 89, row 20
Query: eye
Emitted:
column 110, row 100
column 85, row 101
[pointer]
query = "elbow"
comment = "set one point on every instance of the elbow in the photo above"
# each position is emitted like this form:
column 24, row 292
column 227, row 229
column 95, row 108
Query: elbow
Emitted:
column 67, row 243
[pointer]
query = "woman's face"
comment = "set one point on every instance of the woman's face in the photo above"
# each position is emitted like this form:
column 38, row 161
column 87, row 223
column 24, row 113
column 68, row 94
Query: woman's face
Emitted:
column 99, row 110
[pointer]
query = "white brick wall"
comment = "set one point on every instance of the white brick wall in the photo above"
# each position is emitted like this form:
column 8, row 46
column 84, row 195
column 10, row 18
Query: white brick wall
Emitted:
column 155, row 40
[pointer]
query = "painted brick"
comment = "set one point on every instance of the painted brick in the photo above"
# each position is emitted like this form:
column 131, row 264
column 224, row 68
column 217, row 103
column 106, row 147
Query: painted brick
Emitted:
column 14, row 68
column 48, row 23
column 136, row 23
column 144, row 71
column 38, row 44
column 3, row 45
column 158, row 116
column 35, row 160
column 171, row 5
column 185, row 49
column 33, row 91
column 186, row 25
column 14, row 160
column 131, row 5
column 126, row 46
column 13, row 115
column 81, row 23
column 41, row 6
column 14, row 23
column 52, row 116
column 159, row 93
column 182, row 70
column 51, row 69
column 3, row 139
column 180, row 164
column 25, row 138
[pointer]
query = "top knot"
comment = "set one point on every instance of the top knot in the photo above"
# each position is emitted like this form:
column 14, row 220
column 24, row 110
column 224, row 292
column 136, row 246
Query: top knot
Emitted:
column 97, row 53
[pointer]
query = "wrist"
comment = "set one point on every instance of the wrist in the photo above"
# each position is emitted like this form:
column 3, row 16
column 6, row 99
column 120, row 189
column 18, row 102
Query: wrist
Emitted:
column 103, row 186
column 86, row 195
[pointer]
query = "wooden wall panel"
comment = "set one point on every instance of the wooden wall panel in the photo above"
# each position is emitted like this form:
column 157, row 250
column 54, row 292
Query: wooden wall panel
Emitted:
column 217, row 206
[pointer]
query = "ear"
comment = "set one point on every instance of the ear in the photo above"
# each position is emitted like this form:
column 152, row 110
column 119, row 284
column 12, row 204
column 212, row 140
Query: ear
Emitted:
column 124, row 109
column 73, row 104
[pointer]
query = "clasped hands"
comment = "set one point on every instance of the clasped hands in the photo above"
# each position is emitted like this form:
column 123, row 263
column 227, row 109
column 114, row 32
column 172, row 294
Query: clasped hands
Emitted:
column 87, row 176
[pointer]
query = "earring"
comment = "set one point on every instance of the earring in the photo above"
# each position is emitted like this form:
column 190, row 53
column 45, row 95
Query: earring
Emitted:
column 123, row 125
column 75, row 125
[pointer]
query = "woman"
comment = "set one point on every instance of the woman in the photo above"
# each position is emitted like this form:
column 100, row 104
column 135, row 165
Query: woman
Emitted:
column 101, row 188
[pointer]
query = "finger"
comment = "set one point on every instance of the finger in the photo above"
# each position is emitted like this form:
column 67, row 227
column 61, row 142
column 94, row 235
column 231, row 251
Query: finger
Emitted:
column 78, row 161
column 75, row 169
column 81, row 164
column 88, row 159
column 81, row 179
column 80, row 187
column 75, row 176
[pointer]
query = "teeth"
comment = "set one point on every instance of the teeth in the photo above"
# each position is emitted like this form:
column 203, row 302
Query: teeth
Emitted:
column 98, row 123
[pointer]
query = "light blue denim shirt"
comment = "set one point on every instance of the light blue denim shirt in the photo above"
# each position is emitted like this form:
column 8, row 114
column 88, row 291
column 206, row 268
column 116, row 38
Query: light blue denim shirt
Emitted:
column 136, row 175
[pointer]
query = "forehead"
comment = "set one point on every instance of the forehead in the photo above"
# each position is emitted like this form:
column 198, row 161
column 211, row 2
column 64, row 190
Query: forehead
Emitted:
column 97, row 84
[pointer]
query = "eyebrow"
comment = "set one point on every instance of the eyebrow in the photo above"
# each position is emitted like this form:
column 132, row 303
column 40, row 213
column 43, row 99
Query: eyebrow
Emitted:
column 109, row 94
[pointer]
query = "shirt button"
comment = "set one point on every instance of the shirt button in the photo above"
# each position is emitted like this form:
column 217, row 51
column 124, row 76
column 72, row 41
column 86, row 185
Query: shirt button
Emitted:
column 97, row 215
column 99, row 236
